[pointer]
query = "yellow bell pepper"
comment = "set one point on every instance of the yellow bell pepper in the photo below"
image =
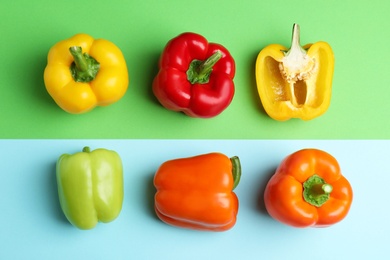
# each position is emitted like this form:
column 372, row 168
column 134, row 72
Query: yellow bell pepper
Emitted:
column 83, row 73
column 295, row 82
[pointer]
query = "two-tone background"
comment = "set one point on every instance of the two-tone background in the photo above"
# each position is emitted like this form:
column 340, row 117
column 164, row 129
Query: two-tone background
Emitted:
column 34, row 131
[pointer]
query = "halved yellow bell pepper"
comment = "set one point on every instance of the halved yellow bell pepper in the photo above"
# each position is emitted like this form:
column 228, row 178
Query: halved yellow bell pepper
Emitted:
column 295, row 82
column 83, row 73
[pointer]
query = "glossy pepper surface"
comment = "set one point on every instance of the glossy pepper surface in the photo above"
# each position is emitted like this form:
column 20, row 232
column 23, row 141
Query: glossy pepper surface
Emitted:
column 295, row 82
column 83, row 72
column 308, row 190
column 197, row 192
column 90, row 186
column 195, row 76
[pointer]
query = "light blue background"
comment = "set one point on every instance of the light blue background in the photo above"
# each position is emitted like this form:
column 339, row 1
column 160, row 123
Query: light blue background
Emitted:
column 33, row 226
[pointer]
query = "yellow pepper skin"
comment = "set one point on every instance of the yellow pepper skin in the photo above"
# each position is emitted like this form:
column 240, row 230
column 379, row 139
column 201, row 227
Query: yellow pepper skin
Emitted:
column 295, row 82
column 83, row 73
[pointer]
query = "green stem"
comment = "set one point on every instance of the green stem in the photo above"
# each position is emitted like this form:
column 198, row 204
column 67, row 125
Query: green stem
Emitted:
column 326, row 188
column 200, row 71
column 295, row 49
column 79, row 59
column 208, row 64
column 316, row 191
column 84, row 68
column 296, row 66
column 295, row 41
column 236, row 170
column 86, row 149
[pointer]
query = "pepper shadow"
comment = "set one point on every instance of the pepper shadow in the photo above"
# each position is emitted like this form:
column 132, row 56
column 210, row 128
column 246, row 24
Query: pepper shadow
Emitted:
column 153, row 69
column 145, row 68
column 150, row 191
column 253, row 85
column 53, row 198
column 263, row 181
column 36, row 85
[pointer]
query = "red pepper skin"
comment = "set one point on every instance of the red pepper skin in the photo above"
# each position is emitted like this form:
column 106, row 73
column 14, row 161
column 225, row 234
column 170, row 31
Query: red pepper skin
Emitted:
column 175, row 92
column 196, row 192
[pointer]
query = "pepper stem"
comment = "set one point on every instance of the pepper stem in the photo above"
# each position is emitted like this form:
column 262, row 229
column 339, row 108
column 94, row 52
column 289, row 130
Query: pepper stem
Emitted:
column 295, row 41
column 295, row 48
column 316, row 191
column 84, row 68
column 79, row 59
column 296, row 66
column 200, row 71
column 236, row 170
column 86, row 149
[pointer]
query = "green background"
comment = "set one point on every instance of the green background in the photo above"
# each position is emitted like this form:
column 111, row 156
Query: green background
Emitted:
column 358, row 32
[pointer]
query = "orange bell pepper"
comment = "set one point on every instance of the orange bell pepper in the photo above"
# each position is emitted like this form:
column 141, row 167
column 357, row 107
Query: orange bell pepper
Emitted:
column 196, row 192
column 308, row 190
column 83, row 72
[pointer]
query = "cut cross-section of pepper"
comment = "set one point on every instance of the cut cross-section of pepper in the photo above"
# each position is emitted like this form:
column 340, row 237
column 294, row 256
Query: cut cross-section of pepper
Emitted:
column 295, row 82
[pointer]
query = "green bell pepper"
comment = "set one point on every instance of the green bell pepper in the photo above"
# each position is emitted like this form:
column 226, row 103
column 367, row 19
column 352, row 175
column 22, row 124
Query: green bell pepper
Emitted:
column 90, row 186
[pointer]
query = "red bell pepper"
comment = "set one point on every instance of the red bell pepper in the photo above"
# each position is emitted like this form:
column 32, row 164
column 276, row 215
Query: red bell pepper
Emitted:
column 195, row 76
